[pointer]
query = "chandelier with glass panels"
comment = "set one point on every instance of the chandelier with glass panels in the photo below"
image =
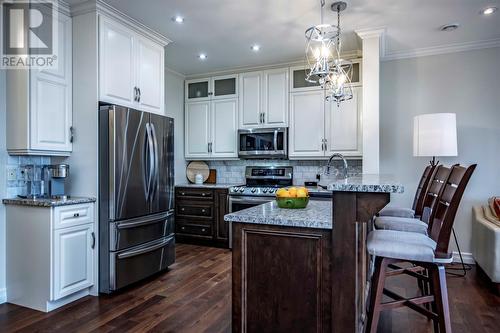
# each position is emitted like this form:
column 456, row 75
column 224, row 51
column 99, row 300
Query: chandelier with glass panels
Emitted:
column 324, row 63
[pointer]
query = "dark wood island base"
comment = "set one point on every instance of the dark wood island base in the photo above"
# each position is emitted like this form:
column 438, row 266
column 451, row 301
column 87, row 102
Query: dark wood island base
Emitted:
column 293, row 278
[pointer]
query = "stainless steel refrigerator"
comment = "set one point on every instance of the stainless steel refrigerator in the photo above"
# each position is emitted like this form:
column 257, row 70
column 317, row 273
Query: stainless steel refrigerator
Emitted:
column 136, row 193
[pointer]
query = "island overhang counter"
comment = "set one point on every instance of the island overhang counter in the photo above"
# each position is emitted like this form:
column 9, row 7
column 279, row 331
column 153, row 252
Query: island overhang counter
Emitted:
column 306, row 270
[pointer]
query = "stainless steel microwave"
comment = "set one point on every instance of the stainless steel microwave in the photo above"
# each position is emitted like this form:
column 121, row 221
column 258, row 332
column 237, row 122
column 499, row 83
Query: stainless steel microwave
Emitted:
column 263, row 143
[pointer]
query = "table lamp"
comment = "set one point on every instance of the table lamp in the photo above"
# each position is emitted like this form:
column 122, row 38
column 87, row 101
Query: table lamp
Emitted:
column 435, row 134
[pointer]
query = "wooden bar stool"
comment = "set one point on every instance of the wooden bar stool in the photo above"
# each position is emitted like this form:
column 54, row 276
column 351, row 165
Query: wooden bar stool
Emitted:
column 419, row 224
column 418, row 201
column 427, row 252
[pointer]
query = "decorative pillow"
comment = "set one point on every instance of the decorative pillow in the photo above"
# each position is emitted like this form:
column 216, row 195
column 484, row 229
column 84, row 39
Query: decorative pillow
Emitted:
column 489, row 216
column 494, row 203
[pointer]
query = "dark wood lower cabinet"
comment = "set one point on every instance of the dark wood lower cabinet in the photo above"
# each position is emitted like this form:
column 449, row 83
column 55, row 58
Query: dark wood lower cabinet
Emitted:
column 199, row 216
column 281, row 279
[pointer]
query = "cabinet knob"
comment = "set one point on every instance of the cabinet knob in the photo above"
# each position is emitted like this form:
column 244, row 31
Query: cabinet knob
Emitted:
column 203, row 194
column 203, row 211
column 203, row 230
column 182, row 209
column 183, row 228
column 182, row 193
column 76, row 214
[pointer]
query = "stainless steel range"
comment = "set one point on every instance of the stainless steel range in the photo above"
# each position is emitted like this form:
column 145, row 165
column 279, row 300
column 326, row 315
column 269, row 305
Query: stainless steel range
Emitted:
column 261, row 185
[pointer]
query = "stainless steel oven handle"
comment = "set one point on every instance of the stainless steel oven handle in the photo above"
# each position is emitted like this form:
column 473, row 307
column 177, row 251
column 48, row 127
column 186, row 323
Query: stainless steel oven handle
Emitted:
column 250, row 199
column 137, row 252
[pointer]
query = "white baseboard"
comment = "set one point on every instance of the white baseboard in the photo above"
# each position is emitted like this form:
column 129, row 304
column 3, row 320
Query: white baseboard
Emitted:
column 3, row 295
column 468, row 258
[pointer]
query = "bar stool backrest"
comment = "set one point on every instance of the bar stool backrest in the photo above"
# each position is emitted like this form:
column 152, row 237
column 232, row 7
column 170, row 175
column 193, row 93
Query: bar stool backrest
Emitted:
column 434, row 191
column 418, row 201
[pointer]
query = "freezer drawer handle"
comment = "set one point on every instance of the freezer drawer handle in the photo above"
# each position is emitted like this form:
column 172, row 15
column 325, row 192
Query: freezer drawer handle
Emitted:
column 138, row 223
column 145, row 250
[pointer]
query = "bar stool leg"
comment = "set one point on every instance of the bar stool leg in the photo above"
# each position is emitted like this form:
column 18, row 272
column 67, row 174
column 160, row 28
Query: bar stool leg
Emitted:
column 377, row 288
column 440, row 292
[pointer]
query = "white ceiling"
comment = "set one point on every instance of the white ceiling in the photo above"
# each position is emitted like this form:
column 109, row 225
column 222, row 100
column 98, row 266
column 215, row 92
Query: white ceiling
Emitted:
column 225, row 29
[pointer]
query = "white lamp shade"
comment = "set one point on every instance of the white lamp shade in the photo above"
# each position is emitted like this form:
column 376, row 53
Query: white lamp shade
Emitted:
column 435, row 134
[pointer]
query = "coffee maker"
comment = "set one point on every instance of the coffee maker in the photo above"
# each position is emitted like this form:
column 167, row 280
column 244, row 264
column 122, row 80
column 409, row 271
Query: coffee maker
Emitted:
column 55, row 177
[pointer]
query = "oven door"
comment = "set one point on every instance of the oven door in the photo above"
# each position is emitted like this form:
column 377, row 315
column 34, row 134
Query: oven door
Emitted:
column 237, row 203
column 263, row 143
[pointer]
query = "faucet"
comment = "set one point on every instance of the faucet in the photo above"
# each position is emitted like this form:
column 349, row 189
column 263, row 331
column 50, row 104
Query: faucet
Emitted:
column 328, row 166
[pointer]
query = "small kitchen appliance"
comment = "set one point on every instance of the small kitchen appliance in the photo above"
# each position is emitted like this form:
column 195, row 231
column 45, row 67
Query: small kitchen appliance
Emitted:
column 56, row 176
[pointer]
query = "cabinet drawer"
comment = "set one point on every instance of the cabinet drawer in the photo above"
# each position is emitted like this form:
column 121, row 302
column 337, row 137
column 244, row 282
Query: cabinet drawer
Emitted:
column 194, row 193
column 194, row 229
column 188, row 209
column 72, row 215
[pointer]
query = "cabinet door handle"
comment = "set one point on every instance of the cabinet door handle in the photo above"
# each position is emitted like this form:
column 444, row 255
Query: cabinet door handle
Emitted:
column 135, row 94
column 326, row 145
column 93, row 241
column 71, row 135
column 208, row 147
column 139, row 96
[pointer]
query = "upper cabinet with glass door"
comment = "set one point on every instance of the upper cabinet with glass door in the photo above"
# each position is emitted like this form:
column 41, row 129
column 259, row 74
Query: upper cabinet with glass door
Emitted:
column 219, row 87
column 298, row 77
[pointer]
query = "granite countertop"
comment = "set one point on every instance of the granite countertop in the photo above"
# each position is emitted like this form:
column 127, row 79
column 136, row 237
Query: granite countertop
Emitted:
column 48, row 202
column 318, row 214
column 364, row 183
column 205, row 185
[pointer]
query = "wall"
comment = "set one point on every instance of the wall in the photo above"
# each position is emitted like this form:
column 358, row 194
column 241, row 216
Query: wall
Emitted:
column 233, row 172
column 466, row 83
column 3, row 183
column 174, row 100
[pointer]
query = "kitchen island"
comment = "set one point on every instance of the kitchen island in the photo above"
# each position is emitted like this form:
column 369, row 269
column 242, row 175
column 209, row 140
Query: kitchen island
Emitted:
column 306, row 270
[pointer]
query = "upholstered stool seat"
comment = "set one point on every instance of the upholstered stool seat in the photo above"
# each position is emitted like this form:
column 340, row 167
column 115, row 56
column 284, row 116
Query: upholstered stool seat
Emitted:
column 403, row 246
column 401, row 224
column 397, row 212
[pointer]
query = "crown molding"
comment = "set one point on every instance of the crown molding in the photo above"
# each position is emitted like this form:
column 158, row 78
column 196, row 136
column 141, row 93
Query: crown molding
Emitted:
column 99, row 6
column 371, row 32
column 356, row 54
column 442, row 49
column 174, row 72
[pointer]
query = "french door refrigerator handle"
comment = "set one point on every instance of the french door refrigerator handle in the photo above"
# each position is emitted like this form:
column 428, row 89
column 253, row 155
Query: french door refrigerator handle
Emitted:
column 156, row 162
column 151, row 159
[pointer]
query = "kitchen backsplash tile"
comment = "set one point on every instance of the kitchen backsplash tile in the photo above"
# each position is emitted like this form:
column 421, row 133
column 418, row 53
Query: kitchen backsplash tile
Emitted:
column 234, row 171
column 15, row 187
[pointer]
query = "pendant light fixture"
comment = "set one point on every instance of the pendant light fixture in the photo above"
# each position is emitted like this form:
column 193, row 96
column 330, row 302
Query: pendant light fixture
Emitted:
column 320, row 49
column 338, row 82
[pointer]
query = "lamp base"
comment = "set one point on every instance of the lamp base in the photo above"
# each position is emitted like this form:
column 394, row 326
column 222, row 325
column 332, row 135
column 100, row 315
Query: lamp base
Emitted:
column 433, row 162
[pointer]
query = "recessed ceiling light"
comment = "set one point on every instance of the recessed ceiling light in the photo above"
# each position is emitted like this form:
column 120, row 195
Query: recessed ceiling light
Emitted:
column 255, row 48
column 178, row 19
column 202, row 56
column 449, row 27
column 489, row 10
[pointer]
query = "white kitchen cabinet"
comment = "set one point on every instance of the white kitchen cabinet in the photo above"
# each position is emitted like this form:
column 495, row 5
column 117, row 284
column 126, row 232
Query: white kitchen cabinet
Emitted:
column 130, row 68
column 224, row 126
column 250, row 99
column 264, row 98
column 307, row 122
column 343, row 130
column 275, row 97
column 211, row 129
column 73, row 259
column 150, row 75
column 197, row 130
column 319, row 128
column 39, row 103
column 57, row 266
column 212, row 88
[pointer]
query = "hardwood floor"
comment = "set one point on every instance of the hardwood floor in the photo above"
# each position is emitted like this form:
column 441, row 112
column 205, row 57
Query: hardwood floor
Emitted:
column 195, row 296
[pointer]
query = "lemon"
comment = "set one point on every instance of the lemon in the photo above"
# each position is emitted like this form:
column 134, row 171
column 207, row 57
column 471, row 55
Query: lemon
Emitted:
column 293, row 192
column 282, row 193
column 301, row 193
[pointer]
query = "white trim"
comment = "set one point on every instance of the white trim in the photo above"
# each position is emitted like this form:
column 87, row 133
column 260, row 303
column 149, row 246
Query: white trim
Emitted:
column 101, row 7
column 174, row 72
column 467, row 256
column 3, row 295
column 242, row 69
column 442, row 49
